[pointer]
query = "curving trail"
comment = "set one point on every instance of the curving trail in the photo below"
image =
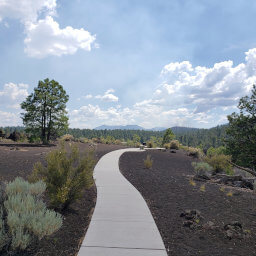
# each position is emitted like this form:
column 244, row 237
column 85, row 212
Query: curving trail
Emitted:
column 122, row 224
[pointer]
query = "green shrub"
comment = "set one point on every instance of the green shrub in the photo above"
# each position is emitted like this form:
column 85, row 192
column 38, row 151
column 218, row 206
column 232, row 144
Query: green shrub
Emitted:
column 202, row 168
column 66, row 175
column 148, row 162
column 174, row 144
column 216, row 151
column 220, row 163
column 27, row 218
column 34, row 139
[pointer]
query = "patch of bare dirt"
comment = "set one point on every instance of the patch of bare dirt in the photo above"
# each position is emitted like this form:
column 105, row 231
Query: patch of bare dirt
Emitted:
column 193, row 217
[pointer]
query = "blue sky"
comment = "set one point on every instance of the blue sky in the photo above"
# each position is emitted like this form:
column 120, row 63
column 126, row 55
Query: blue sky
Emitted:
column 145, row 62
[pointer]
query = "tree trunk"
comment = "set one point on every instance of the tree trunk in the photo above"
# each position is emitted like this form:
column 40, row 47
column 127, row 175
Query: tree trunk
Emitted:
column 49, row 127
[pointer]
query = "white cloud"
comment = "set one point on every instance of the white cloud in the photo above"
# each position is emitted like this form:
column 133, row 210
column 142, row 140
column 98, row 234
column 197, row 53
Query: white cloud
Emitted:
column 13, row 94
column 9, row 119
column 188, row 96
column 207, row 88
column 108, row 96
column 26, row 10
column 88, row 96
column 89, row 115
column 46, row 38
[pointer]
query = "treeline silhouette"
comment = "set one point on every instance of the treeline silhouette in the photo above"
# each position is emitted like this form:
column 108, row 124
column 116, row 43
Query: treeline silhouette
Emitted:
column 193, row 137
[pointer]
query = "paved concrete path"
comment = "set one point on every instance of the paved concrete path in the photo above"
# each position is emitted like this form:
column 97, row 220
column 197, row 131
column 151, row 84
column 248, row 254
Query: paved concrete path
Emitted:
column 122, row 224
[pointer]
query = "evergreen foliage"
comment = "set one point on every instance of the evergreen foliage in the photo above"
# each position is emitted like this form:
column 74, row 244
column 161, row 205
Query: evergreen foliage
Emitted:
column 45, row 111
column 241, row 133
column 168, row 136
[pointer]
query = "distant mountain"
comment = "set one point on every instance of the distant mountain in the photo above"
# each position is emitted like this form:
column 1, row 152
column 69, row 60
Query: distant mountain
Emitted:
column 119, row 127
column 175, row 129
column 180, row 129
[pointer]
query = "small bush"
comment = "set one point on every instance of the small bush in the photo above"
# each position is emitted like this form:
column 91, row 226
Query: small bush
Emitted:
column 20, row 186
column 216, row 151
column 67, row 137
column 17, row 136
column 27, row 218
column 167, row 145
column 194, row 152
column 174, row 144
column 118, row 142
column 148, row 162
column 34, row 139
column 150, row 144
column 220, row 163
column 202, row 168
column 97, row 140
column 66, row 175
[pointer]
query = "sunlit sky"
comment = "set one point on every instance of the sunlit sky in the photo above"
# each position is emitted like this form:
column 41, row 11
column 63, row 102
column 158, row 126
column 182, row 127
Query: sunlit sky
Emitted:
column 152, row 63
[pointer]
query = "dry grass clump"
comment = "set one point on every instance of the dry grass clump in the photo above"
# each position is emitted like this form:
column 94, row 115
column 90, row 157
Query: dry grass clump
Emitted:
column 174, row 144
column 67, row 137
column 194, row 152
column 148, row 162
column 166, row 145
column 150, row 144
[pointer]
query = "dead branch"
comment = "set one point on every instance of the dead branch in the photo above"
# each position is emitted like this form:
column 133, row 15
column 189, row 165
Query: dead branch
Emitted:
column 243, row 168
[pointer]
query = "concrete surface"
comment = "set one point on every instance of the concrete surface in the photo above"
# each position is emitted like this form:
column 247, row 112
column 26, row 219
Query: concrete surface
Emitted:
column 122, row 224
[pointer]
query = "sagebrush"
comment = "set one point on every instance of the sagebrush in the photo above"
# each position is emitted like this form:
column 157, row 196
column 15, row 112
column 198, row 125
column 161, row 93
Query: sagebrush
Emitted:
column 202, row 168
column 24, row 217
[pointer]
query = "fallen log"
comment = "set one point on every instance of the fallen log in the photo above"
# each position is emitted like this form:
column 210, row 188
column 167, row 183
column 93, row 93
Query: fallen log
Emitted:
column 244, row 169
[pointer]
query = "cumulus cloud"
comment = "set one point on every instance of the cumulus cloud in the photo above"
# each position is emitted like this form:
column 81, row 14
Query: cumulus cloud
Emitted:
column 146, row 115
column 108, row 96
column 188, row 96
column 89, row 115
column 88, row 96
column 9, row 119
column 13, row 94
column 44, row 37
column 208, row 88
column 26, row 10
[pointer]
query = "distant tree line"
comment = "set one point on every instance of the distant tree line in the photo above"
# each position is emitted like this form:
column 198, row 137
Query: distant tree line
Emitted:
column 203, row 138
column 116, row 134
column 193, row 137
